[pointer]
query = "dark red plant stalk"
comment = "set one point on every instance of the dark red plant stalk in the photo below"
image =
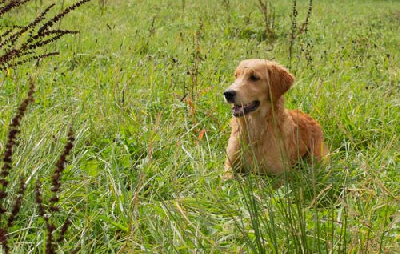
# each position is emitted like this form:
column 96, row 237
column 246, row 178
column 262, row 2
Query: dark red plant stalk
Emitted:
column 4, row 240
column 37, row 57
column 49, row 226
column 6, row 33
column 31, row 25
column 60, row 166
column 39, row 200
column 14, row 129
column 64, row 230
column 11, row 5
column 41, row 43
column 49, row 242
column 29, row 44
column 29, row 47
column 59, row 16
column 75, row 251
column 304, row 26
column 55, row 188
column 17, row 50
column 18, row 201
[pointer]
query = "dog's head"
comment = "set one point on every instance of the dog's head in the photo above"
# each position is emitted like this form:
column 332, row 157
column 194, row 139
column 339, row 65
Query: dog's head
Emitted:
column 258, row 84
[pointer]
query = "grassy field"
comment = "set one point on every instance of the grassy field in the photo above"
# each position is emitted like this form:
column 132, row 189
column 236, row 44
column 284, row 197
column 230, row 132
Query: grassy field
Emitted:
column 142, row 87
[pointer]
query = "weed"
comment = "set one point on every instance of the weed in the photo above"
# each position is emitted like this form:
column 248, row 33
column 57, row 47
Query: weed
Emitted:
column 19, row 49
column 299, row 33
column 14, row 129
column 269, row 16
column 304, row 27
column 52, row 208
column 293, row 32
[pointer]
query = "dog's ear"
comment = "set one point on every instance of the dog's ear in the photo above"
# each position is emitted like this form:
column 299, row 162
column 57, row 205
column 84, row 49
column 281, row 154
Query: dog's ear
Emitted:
column 280, row 80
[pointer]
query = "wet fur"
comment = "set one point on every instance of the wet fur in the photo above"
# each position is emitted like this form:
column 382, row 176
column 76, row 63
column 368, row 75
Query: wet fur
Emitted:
column 272, row 138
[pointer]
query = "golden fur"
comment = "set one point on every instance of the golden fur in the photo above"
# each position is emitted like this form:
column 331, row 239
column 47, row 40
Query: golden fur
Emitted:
column 269, row 138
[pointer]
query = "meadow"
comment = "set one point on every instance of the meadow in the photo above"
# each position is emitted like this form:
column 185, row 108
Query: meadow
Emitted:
column 142, row 87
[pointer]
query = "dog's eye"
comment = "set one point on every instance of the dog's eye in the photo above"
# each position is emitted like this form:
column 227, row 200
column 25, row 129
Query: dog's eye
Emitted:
column 254, row 77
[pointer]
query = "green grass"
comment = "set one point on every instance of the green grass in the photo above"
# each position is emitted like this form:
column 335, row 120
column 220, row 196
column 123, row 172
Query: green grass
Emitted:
column 140, row 178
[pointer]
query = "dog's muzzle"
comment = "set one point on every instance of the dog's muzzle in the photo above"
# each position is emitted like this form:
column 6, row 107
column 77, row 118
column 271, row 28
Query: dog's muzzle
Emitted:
column 241, row 110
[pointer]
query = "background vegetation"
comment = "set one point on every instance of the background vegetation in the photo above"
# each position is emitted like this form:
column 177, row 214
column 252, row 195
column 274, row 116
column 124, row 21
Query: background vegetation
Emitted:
column 142, row 84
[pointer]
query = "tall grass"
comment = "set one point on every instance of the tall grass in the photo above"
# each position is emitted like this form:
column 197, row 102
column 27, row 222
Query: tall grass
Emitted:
column 145, row 171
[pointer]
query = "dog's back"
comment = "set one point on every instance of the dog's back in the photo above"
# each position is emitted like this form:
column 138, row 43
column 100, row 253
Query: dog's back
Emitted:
column 309, row 131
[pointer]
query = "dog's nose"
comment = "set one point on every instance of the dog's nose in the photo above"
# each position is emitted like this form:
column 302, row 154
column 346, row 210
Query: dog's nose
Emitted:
column 229, row 95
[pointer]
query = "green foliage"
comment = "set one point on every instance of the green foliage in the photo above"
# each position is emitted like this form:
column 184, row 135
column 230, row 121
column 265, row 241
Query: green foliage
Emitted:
column 144, row 78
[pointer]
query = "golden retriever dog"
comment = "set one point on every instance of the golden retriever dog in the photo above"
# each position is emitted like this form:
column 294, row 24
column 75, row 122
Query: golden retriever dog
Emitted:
column 266, row 138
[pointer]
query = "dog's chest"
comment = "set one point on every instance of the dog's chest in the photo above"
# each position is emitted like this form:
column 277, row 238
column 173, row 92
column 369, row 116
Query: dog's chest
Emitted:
column 263, row 151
